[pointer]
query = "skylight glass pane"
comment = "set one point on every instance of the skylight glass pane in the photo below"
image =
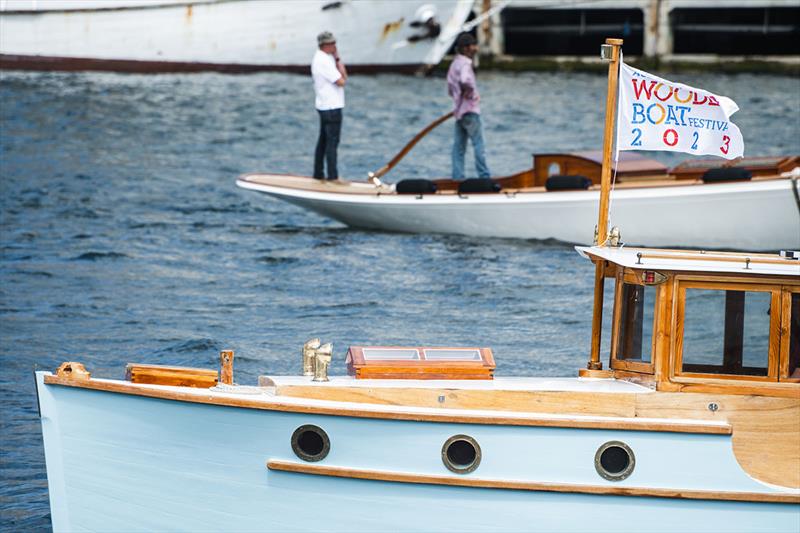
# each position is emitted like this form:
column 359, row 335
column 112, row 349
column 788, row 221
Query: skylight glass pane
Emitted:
column 452, row 355
column 391, row 354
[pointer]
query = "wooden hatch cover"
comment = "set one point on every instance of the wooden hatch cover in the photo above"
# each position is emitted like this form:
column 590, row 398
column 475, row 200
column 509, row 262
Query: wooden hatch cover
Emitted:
column 178, row 376
column 420, row 362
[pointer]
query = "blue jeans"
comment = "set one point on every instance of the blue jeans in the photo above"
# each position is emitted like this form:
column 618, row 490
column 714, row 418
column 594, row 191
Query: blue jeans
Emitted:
column 330, row 127
column 469, row 126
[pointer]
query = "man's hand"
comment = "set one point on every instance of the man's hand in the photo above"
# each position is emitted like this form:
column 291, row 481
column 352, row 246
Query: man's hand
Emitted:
column 340, row 67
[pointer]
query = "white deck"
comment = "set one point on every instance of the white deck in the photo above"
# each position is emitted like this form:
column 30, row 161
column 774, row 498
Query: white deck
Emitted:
column 265, row 397
column 497, row 384
column 695, row 260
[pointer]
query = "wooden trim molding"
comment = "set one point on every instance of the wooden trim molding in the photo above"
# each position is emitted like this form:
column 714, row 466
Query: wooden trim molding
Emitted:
column 378, row 412
column 462, row 481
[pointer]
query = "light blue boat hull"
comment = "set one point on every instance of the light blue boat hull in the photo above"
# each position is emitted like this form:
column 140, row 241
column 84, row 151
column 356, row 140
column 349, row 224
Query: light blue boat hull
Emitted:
column 119, row 462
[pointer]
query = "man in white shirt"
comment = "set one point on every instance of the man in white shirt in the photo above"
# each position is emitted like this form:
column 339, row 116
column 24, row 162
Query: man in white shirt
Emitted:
column 329, row 76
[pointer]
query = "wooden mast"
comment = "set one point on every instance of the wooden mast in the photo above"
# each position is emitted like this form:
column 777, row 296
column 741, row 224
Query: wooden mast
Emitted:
column 595, row 367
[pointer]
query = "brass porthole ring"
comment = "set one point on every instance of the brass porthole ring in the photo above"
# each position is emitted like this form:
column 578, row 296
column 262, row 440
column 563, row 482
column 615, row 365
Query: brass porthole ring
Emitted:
column 310, row 443
column 461, row 454
column 614, row 460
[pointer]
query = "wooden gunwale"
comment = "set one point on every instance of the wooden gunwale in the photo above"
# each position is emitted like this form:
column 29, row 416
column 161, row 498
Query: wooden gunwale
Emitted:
column 343, row 186
column 428, row 479
column 578, row 422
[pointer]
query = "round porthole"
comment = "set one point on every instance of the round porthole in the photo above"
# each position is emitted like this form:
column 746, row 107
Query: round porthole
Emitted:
column 614, row 460
column 310, row 443
column 461, row 454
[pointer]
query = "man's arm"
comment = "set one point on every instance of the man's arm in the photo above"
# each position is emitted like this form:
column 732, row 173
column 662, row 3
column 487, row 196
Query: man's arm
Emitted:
column 467, row 82
column 342, row 70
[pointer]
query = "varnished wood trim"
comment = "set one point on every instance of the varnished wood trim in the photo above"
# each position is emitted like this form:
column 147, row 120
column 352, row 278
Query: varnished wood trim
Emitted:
column 632, row 366
column 616, row 423
column 774, row 334
column 730, row 258
column 786, row 335
column 664, row 335
column 773, row 281
column 428, row 479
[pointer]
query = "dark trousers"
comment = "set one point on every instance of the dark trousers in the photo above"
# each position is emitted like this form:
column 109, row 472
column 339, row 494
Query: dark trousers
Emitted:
column 330, row 126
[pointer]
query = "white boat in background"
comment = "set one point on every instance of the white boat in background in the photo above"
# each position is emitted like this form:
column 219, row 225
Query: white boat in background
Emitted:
column 224, row 35
column 651, row 205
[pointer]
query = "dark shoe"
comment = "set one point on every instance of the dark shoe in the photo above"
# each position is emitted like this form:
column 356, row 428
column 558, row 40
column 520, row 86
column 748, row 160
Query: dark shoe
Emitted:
column 319, row 177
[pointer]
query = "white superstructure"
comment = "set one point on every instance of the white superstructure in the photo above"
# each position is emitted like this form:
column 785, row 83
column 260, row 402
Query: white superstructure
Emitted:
column 156, row 35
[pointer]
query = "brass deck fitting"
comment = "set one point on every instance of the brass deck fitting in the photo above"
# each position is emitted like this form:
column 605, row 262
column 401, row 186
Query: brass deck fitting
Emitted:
column 309, row 349
column 322, row 358
column 614, row 237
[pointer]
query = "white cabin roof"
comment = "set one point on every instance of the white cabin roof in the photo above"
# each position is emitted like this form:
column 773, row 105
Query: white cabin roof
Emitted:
column 695, row 260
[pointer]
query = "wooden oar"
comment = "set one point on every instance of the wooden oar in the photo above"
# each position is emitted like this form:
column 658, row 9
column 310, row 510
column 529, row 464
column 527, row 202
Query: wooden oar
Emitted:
column 374, row 177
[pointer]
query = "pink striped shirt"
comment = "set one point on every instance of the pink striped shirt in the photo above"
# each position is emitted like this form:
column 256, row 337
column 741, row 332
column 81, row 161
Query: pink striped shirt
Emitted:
column 461, row 86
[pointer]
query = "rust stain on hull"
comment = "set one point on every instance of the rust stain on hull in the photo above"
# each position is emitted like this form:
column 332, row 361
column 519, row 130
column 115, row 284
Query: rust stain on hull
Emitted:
column 391, row 27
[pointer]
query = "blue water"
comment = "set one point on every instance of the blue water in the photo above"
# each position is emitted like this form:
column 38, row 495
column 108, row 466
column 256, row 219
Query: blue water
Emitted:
column 124, row 238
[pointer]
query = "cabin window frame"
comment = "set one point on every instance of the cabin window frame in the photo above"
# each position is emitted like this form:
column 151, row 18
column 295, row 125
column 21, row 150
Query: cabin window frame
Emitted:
column 678, row 375
column 786, row 333
column 632, row 277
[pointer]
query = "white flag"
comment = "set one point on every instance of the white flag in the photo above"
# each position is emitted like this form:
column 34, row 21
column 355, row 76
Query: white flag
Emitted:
column 656, row 114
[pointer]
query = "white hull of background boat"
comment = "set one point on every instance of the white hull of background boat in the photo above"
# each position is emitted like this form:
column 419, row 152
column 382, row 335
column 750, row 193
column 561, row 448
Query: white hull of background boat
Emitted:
column 120, row 461
column 163, row 35
column 753, row 215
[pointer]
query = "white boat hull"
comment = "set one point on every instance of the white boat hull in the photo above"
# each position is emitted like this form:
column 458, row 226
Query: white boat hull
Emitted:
column 248, row 34
column 754, row 215
column 120, row 462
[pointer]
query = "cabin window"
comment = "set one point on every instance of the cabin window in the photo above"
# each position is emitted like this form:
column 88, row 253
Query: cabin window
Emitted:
column 636, row 323
column 726, row 332
column 634, row 319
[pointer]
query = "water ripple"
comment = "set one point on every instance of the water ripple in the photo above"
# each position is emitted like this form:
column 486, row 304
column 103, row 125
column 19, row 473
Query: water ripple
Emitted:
column 123, row 237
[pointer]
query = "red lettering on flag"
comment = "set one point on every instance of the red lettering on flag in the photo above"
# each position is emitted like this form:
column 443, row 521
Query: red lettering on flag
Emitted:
column 637, row 90
column 712, row 100
column 698, row 102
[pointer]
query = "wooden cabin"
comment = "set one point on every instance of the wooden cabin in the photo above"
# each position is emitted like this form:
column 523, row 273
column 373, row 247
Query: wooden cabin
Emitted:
column 704, row 321
column 631, row 168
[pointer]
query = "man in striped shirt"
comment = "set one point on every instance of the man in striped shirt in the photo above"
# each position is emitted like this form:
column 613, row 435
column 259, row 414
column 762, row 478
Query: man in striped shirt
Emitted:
column 463, row 90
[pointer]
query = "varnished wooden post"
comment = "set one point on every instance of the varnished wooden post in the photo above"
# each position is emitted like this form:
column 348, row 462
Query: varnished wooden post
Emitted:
column 226, row 367
column 597, row 316
column 608, row 140
column 602, row 216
